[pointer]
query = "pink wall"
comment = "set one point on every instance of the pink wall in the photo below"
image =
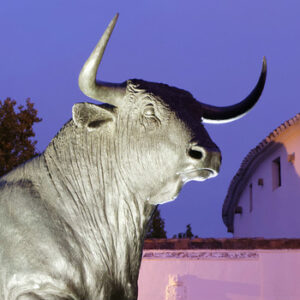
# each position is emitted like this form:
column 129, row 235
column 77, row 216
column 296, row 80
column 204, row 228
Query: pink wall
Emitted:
column 275, row 212
column 220, row 275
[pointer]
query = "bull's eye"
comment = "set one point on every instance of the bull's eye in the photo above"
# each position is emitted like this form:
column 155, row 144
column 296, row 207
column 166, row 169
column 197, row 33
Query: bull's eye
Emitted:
column 149, row 111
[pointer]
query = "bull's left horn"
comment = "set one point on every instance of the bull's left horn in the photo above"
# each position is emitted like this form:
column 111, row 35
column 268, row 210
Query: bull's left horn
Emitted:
column 111, row 93
column 217, row 115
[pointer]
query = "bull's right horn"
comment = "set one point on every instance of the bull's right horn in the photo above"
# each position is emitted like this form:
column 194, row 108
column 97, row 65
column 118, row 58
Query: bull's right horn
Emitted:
column 111, row 93
column 215, row 114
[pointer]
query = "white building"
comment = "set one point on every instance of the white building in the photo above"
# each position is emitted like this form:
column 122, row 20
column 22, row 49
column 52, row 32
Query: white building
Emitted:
column 263, row 199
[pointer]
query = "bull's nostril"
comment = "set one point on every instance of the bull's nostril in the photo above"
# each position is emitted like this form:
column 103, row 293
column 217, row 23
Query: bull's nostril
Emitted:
column 196, row 154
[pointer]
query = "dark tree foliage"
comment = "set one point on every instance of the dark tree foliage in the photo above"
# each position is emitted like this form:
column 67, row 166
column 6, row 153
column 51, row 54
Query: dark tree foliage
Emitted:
column 16, row 145
column 156, row 229
column 188, row 234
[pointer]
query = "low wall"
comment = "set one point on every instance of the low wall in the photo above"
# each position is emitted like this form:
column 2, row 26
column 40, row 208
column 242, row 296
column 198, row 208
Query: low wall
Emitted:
column 220, row 274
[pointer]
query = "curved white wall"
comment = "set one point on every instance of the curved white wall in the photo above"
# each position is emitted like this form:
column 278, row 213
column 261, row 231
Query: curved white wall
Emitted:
column 276, row 212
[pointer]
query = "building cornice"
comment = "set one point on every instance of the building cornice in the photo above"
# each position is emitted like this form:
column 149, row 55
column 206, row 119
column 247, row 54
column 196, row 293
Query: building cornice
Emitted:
column 170, row 245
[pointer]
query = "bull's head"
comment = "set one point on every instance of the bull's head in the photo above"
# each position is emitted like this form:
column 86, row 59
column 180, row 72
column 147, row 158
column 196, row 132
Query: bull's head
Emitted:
column 160, row 137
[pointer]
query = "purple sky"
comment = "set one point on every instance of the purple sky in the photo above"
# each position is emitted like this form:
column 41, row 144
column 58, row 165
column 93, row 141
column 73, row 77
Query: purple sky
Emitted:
column 211, row 48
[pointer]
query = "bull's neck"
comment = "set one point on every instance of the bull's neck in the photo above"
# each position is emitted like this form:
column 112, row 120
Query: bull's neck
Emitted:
column 96, row 202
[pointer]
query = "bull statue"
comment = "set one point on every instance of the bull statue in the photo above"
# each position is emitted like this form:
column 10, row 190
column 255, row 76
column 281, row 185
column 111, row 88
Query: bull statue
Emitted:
column 73, row 220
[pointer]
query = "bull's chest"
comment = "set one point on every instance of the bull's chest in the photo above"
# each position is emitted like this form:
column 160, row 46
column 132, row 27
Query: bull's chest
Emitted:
column 110, row 274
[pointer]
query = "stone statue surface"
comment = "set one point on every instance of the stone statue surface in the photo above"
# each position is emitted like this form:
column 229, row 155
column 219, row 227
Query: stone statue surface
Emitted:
column 73, row 220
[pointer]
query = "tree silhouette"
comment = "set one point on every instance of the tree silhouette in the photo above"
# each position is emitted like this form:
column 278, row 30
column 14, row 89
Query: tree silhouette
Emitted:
column 16, row 144
column 156, row 229
column 188, row 234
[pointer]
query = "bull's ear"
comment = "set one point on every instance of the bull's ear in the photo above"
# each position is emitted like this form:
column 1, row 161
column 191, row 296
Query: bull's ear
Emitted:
column 91, row 116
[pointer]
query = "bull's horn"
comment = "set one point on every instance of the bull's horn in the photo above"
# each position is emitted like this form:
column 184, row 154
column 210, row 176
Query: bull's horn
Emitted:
column 106, row 92
column 217, row 115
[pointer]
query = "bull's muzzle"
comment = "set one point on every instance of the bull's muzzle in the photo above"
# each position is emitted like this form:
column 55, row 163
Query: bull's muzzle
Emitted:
column 204, row 163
